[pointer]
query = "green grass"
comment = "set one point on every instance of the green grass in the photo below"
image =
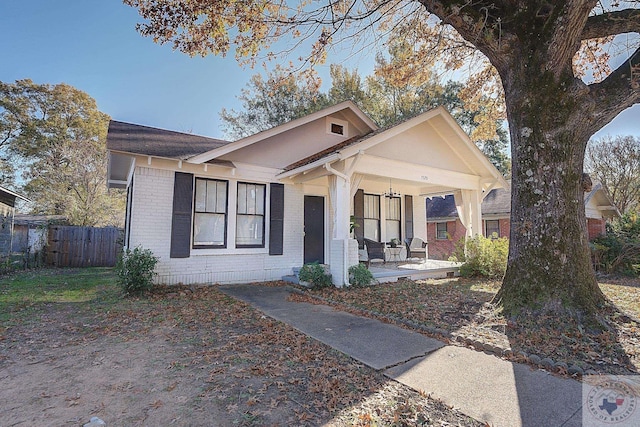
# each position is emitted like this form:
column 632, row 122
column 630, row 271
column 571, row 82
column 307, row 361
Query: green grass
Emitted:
column 23, row 293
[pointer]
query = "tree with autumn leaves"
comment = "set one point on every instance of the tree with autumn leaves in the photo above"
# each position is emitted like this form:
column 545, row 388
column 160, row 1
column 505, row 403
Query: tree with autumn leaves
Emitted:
column 54, row 137
column 539, row 52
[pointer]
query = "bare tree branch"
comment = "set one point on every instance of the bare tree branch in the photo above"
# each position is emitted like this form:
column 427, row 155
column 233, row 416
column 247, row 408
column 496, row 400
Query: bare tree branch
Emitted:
column 619, row 91
column 479, row 23
column 612, row 23
column 566, row 34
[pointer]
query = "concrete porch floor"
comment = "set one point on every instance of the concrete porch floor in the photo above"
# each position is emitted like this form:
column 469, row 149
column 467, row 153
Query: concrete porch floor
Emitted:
column 391, row 271
column 415, row 270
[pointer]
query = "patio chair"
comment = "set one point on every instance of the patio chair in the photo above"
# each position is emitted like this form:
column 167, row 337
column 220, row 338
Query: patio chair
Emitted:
column 375, row 250
column 416, row 248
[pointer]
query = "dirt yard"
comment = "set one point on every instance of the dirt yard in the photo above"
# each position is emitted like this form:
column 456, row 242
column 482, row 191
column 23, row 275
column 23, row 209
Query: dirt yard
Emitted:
column 181, row 357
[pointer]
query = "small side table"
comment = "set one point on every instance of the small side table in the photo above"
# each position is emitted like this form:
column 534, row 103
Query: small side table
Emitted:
column 394, row 253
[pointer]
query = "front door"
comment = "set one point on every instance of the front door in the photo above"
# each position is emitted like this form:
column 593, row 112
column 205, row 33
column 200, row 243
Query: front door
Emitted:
column 313, row 229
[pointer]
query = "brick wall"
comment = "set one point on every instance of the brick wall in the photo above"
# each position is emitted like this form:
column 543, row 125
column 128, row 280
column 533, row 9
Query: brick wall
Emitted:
column 151, row 228
column 595, row 227
column 443, row 249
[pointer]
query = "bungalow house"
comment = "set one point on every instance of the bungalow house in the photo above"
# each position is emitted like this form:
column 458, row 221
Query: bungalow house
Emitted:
column 445, row 229
column 252, row 210
column 7, row 210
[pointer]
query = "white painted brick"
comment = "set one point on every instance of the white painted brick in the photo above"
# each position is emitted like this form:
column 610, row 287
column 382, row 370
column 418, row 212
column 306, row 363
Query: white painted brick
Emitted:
column 151, row 228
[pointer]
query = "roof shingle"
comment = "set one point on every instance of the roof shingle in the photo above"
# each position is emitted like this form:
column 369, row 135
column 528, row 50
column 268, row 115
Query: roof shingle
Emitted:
column 138, row 139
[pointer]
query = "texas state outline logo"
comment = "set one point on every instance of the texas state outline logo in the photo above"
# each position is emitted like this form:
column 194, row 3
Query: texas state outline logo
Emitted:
column 611, row 400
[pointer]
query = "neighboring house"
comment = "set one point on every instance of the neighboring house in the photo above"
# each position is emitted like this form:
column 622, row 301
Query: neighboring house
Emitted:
column 7, row 210
column 30, row 231
column 445, row 229
column 254, row 209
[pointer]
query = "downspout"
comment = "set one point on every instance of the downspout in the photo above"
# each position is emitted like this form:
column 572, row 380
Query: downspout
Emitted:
column 345, row 245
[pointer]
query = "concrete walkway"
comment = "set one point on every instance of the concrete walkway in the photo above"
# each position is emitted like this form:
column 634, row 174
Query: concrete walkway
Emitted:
column 481, row 386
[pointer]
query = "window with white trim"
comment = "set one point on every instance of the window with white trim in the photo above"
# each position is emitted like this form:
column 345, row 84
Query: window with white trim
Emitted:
column 337, row 126
column 441, row 231
column 372, row 217
column 393, row 218
column 492, row 228
column 210, row 214
column 250, row 220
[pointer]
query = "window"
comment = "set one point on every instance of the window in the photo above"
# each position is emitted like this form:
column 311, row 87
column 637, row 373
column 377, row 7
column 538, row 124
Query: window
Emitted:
column 250, row 215
column 210, row 214
column 337, row 129
column 337, row 126
column 393, row 218
column 492, row 228
column 372, row 217
column 441, row 231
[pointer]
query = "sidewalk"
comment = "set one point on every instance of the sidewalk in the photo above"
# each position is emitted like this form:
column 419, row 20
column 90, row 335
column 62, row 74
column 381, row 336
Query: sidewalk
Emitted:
column 481, row 386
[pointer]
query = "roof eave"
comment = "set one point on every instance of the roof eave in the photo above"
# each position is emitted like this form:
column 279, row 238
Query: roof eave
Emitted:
column 13, row 193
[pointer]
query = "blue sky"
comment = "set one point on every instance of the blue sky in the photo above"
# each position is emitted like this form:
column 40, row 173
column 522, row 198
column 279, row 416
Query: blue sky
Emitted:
column 93, row 46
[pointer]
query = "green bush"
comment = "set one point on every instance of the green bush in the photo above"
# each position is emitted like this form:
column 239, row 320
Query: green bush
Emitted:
column 619, row 250
column 314, row 274
column 135, row 270
column 359, row 275
column 485, row 257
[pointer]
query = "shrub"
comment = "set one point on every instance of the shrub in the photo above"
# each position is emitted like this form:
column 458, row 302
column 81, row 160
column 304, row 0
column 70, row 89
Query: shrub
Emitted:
column 135, row 270
column 619, row 250
column 485, row 257
column 315, row 275
column 458, row 251
column 359, row 275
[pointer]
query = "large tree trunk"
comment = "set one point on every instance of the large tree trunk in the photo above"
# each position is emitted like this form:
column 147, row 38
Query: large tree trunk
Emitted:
column 549, row 259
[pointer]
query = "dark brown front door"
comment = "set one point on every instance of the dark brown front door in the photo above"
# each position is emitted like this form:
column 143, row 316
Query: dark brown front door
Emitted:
column 313, row 229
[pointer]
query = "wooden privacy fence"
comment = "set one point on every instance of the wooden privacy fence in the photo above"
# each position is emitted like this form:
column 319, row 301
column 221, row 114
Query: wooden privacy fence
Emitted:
column 71, row 246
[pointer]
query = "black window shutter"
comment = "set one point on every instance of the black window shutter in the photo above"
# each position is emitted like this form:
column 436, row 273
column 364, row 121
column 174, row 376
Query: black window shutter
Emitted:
column 182, row 211
column 408, row 216
column 358, row 213
column 276, row 219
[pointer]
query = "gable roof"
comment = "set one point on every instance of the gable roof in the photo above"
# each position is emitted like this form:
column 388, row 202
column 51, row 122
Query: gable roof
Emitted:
column 149, row 141
column 269, row 133
column 498, row 202
column 441, row 207
column 602, row 200
column 429, row 150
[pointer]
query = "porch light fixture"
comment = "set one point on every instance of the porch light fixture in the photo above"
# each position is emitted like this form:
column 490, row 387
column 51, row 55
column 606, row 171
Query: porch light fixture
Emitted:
column 390, row 194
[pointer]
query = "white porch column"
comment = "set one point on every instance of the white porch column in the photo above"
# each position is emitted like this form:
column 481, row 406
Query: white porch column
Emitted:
column 340, row 250
column 469, row 207
column 476, row 212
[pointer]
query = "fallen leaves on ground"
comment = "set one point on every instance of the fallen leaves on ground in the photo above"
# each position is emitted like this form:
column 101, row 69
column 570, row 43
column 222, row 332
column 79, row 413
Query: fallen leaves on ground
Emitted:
column 462, row 308
column 260, row 371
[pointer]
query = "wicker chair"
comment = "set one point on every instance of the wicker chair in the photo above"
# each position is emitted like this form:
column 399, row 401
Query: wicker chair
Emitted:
column 375, row 250
column 416, row 248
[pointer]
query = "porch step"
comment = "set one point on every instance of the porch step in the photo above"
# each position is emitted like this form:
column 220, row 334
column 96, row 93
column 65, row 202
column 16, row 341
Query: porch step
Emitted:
column 291, row 279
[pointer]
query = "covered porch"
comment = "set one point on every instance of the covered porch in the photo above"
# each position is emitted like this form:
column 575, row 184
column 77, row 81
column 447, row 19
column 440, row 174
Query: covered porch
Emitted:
column 377, row 184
